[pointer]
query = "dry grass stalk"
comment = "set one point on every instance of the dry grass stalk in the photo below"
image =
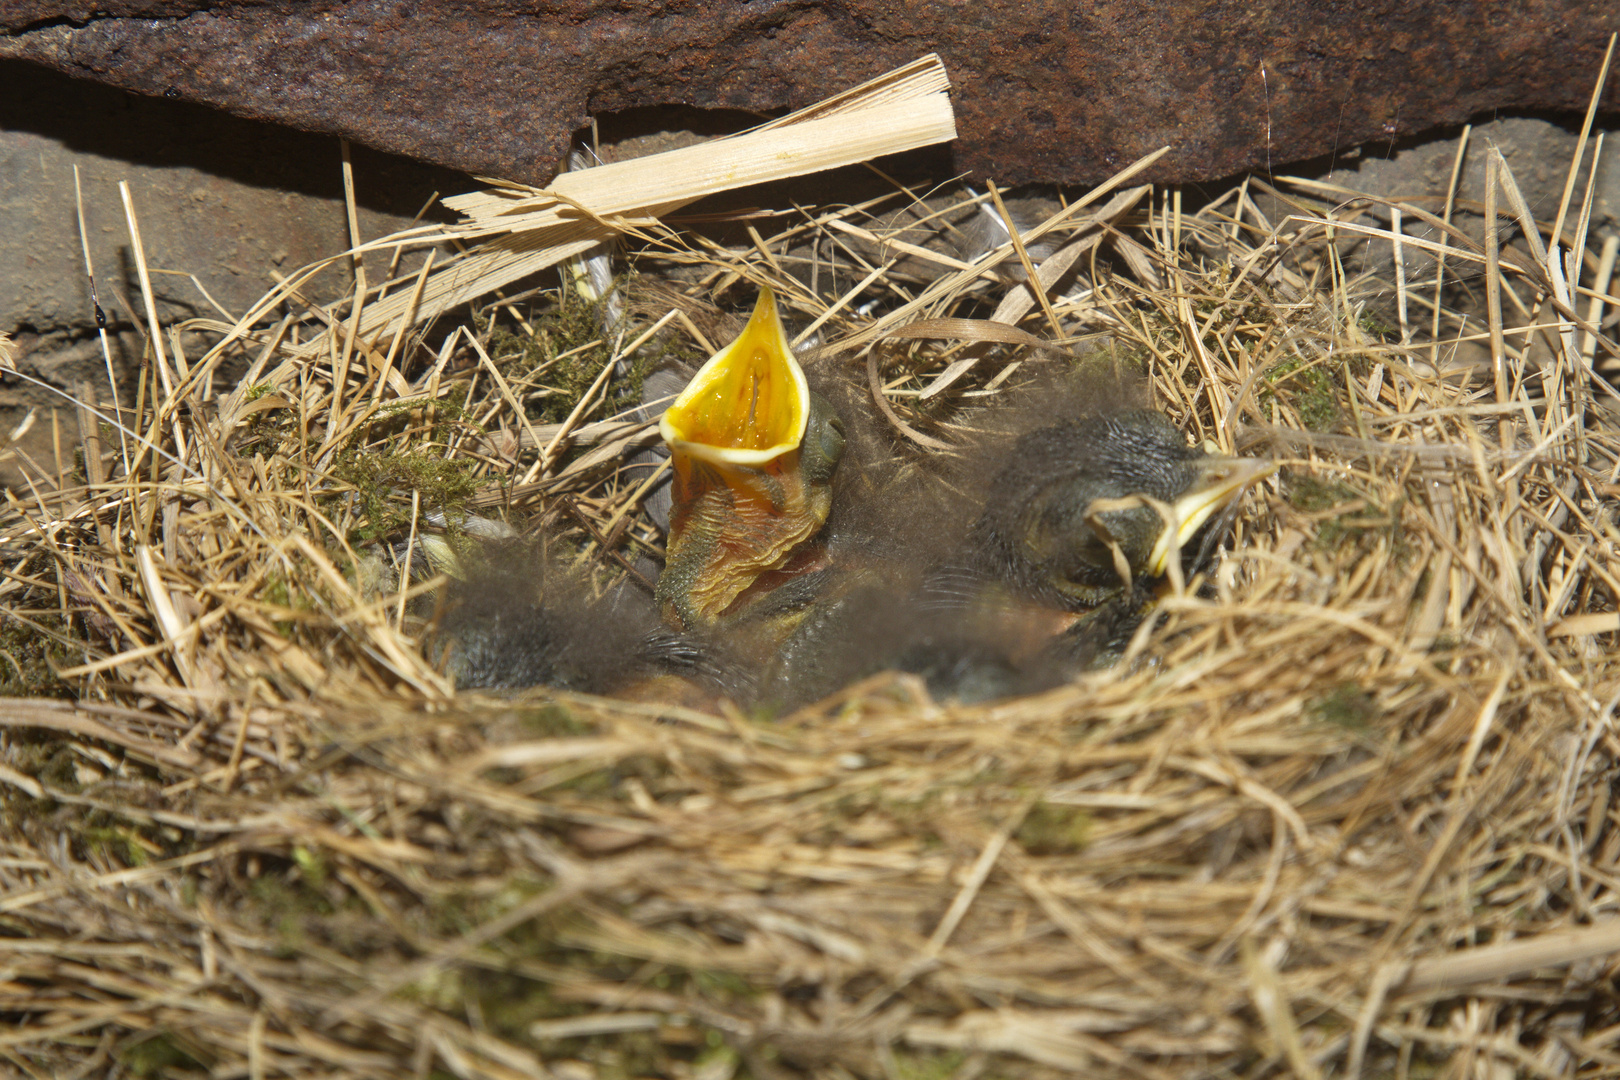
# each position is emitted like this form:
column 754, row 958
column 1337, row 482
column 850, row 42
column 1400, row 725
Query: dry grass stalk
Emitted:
column 1349, row 808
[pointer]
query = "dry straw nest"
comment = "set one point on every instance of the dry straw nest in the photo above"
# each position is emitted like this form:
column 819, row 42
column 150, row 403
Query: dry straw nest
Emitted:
column 1347, row 809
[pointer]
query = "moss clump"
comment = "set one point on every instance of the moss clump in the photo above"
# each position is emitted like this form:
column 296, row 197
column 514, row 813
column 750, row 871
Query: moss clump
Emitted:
column 1358, row 513
column 553, row 366
column 159, row 1055
column 1309, row 388
column 923, row 1066
column 378, row 479
column 457, row 912
column 52, row 763
column 555, row 722
column 102, row 835
column 297, row 902
column 1053, row 829
column 311, row 865
column 724, row 986
column 1346, row 705
column 1313, row 495
column 276, row 590
column 287, row 899
column 1377, row 327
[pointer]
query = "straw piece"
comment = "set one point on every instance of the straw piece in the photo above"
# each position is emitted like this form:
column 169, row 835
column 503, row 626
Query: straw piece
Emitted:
column 1491, row 962
column 677, row 177
column 1271, row 1002
column 169, row 620
column 63, row 716
column 1580, row 144
column 909, row 103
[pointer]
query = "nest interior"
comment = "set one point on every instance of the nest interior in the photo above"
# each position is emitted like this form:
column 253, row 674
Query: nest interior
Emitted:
column 1347, row 808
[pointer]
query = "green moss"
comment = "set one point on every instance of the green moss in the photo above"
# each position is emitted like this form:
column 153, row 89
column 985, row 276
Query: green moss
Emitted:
column 1377, row 327
column 717, row 1057
column 444, row 988
column 1314, row 495
column 551, row 368
column 455, row 913
column 1319, row 497
column 925, row 1066
column 1346, row 705
column 276, row 589
column 723, row 985
column 597, row 784
column 379, row 479
column 116, row 840
column 311, row 864
column 294, row 909
column 510, row 1003
column 1426, row 1066
column 629, row 1056
column 277, row 894
column 555, row 721
column 282, row 592
column 57, row 769
column 915, row 815
column 160, row 1055
column 1054, row 829
column 1360, row 519
column 1311, row 389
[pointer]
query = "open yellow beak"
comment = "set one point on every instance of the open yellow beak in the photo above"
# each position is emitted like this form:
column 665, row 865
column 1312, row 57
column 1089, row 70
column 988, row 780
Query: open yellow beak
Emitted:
column 749, row 404
column 742, row 504
column 1223, row 479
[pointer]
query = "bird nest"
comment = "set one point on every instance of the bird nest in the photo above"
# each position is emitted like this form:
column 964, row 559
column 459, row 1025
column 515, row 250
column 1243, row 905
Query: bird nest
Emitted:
column 1346, row 807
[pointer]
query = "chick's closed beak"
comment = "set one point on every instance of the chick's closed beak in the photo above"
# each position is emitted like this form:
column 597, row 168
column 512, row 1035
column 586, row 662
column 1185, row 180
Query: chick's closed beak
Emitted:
column 1219, row 481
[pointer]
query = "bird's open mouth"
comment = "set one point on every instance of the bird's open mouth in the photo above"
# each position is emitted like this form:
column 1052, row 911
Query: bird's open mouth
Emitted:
column 1222, row 480
column 749, row 404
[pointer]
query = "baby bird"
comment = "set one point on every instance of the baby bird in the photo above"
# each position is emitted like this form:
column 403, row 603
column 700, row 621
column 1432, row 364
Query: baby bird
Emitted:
column 753, row 452
column 1085, row 507
column 521, row 619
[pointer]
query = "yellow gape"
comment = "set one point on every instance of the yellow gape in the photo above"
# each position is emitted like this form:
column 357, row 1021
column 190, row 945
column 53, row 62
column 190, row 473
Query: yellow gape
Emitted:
column 749, row 487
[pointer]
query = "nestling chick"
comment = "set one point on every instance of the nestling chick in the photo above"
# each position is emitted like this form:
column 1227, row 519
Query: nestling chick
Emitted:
column 514, row 616
column 1085, row 507
column 753, row 452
